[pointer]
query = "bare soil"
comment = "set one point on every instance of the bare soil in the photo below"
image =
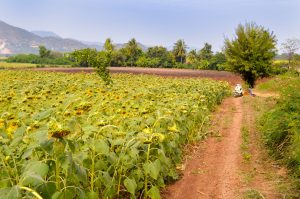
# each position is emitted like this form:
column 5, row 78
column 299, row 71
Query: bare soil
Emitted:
column 212, row 170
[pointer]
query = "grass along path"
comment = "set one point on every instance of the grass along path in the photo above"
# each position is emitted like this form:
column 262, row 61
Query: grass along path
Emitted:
column 261, row 176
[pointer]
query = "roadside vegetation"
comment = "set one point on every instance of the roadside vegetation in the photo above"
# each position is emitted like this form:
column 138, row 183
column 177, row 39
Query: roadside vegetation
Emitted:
column 262, row 175
column 281, row 125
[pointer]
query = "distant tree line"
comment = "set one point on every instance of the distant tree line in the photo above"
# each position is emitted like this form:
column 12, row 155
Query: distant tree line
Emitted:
column 155, row 57
column 45, row 57
column 132, row 55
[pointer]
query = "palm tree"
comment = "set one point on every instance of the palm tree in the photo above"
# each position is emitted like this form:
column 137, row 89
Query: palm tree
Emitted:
column 206, row 53
column 192, row 57
column 179, row 50
column 133, row 51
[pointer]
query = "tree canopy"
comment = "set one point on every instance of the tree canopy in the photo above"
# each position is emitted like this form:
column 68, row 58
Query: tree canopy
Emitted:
column 165, row 58
column 206, row 52
column 192, row 57
column 44, row 52
column 132, row 51
column 98, row 60
column 251, row 52
column 179, row 51
column 108, row 45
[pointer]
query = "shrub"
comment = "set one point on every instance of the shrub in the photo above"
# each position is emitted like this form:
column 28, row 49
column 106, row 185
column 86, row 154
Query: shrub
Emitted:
column 144, row 61
column 278, row 67
column 35, row 59
column 281, row 125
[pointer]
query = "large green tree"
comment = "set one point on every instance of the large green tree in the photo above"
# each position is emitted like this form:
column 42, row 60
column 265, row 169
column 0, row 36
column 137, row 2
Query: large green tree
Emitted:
column 109, row 50
column 206, row 52
column 98, row 60
column 44, row 52
column 132, row 51
column 218, row 61
column 192, row 57
column 250, row 52
column 179, row 51
column 83, row 57
column 161, row 54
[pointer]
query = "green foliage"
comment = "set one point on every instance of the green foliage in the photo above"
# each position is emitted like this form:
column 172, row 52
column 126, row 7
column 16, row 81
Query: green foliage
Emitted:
column 46, row 57
column 44, row 52
column 101, row 63
column 108, row 45
column 84, row 57
column 53, row 59
column 251, row 52
column 118, row 58
column 67, row 136
column 185, row 65
column 98, row 60
column 278, row 67
column 132, row 52
column 130, row 55
column 165, row 58
column 297, row 58
column 205, row 59
column 218, row 61
column 192, row 57
column 281, row 125
column 144, row 61
column 179, row 51
column 206, row 52
column 155, row 57
column 203, row 64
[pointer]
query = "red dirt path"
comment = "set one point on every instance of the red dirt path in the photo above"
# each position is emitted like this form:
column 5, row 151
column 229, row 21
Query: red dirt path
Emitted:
column 212, row 171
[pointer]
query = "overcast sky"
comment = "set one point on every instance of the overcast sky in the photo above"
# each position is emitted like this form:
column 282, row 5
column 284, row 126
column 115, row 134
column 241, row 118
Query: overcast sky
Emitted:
column 153, row 22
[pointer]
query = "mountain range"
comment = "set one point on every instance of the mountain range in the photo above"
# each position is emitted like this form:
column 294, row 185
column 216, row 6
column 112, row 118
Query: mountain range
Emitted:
column 14, row 40
column 43, row 33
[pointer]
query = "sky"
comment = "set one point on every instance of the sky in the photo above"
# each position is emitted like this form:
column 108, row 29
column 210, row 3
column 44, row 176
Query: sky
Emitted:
column 153, row 22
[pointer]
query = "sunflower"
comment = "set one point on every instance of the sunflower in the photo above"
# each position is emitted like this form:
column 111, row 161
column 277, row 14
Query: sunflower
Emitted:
column 2, row 122
column 11, row 129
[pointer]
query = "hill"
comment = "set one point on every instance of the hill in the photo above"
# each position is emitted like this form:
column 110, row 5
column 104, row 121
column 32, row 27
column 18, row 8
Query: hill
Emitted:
column 42, row 33
column 14, row 40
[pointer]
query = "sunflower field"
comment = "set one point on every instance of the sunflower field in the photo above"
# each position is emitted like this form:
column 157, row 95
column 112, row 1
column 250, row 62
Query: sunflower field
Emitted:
column 70, row 136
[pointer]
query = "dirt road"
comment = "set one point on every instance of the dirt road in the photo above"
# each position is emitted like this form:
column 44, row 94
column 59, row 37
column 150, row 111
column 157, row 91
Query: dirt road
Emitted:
column 233, row 163
column 212, row 171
